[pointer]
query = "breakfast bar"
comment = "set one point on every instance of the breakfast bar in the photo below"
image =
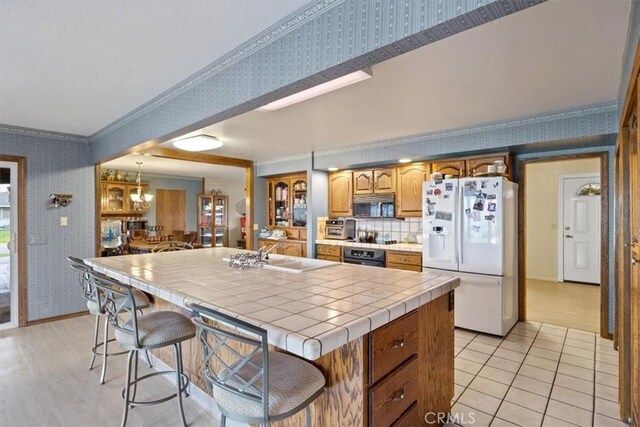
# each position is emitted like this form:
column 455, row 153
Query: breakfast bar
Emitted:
column 382, row 337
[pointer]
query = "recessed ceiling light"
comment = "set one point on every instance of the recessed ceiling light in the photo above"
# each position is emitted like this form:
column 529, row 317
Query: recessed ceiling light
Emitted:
column 198, row 143
column 405, row 160
column 332, row 169
column 318, row 90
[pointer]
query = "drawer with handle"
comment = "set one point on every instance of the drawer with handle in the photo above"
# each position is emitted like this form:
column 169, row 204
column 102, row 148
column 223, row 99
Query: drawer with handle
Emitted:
column 406, row 258
column 394, row 395
column 391, row 345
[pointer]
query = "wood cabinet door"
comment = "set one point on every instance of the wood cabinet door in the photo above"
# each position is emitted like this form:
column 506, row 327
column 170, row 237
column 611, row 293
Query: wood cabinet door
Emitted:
column 292, row 249
column 363, row 182
column 409, row 195
column 477, row 165
column 340, row 194
column 116, row 199
column 455, row 167
column 384, row 181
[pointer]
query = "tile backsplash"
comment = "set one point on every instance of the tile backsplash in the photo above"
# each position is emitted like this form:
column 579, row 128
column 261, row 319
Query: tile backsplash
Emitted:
column 391, row 228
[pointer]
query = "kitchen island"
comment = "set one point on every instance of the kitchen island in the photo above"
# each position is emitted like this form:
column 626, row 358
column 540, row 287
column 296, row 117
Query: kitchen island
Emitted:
column 383, row 338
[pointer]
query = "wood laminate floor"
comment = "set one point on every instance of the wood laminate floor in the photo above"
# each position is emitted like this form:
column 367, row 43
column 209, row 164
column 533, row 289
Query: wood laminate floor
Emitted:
column 565, row 304
column 45, row 382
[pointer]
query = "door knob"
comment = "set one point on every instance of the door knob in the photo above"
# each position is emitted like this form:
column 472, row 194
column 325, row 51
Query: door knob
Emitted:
column 568, row 236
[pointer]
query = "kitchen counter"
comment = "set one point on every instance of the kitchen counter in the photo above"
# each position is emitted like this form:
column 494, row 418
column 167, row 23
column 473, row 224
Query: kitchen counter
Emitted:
column 308, row 314
column 409, row 247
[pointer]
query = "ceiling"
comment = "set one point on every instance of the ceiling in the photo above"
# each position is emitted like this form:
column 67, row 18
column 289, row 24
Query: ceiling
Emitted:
column 557, row 55
column 162, row 166
column 76, row 66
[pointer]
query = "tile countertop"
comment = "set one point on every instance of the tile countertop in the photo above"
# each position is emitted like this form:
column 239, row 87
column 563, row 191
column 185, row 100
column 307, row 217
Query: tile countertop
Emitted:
column 308, row 314
column 409, row 247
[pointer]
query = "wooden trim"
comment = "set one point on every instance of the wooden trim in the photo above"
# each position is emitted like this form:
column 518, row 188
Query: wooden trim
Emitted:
column 249, row 193
column 98, row 207
column 629, row 97
column 171, row 153
column 22, row 235
column 56, row 318
column 604, row 231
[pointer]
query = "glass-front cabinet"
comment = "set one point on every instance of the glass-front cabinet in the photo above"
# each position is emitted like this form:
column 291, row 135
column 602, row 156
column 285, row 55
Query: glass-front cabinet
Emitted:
column 212, row 220
column 287, row 201
column 116, row 198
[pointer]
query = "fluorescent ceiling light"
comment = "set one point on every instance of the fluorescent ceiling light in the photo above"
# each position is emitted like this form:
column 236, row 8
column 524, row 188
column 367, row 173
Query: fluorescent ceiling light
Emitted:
column 321, row 89
column 404, row 160
column 332, row 169
column 198, row 143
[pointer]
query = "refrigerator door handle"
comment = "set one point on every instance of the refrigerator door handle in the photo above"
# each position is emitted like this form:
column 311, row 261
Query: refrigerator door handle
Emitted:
column 458, row 225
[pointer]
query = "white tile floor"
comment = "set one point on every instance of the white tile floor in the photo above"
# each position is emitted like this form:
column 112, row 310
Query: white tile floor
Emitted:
column 539, row 375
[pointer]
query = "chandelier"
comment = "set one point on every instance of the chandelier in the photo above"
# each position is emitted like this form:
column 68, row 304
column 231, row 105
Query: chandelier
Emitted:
column 140, row 200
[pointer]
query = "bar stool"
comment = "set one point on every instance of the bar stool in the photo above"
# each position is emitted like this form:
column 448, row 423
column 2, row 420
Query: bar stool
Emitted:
column 89, row 293
column 171, row 246
column 250, row 383
column 143, row 332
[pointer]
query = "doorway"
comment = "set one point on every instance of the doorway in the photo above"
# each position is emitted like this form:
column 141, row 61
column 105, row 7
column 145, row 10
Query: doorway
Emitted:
column 564, row 264
column 9, row 310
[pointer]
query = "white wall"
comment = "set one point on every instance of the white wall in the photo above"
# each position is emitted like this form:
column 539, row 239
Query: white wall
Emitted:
column 541, row 200
column 234, row 187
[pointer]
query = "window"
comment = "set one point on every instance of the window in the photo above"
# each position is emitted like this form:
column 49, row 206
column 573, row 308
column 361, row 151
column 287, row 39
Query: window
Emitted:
column 592, row 189
column 4, row 213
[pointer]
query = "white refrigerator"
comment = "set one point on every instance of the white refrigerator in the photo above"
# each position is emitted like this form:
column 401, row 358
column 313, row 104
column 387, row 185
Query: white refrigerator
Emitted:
column 470, row 231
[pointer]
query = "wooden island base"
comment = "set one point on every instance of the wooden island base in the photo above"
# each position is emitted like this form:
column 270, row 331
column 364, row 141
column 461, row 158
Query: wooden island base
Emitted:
column 394, row 375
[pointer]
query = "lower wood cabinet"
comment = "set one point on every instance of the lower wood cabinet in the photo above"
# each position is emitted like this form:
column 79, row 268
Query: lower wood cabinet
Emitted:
column 410, row 261
column 329, row 252
column 297, row 248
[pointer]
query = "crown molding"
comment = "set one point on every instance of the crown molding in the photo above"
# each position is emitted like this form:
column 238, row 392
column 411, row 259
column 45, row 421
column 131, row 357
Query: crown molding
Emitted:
column 38, row 133
column 279, row 29
column 587, row 110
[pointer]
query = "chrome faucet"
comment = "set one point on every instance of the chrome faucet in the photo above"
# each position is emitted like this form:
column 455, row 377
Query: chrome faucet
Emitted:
column 263, row 256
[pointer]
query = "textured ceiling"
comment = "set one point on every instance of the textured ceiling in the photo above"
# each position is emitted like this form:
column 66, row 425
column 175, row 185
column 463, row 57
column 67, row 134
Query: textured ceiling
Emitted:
column 75, row 66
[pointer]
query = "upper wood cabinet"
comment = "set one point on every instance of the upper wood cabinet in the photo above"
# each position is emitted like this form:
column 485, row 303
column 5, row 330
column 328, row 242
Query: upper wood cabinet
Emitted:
column 409, row 195
column 115, row 198
column 340, row 194
column 454, row 167
column 374, row 181
column 478, row 165
column 472, row 166
column 287, row 201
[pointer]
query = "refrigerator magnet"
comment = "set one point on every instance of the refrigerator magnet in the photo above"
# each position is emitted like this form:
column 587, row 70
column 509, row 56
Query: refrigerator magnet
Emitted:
column 475, row 228
column 491, row 197
column 429, row 193
column 470, row 187
column 489, row 217
column 445, row 216
column 478, row 205
column 446, row 196
column 476, row 216
column 437, row 192
column 468, row 213
column 491, row 207
column 448, row 186
column 484, row 184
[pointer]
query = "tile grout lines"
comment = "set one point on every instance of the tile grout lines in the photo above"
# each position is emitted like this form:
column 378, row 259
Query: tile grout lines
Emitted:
column 568, row 337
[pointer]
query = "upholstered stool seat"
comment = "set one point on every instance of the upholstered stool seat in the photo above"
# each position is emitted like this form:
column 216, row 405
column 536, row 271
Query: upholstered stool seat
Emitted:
column 249, row 383
column 158, row 329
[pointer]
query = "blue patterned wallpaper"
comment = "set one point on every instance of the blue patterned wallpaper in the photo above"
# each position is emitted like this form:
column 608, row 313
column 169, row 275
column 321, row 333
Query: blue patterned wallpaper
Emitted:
column 54, row 165
column 325, row 40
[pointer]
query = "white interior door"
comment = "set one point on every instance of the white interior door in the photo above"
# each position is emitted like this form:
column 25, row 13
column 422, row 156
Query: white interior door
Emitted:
column 580, row 228
column 8, row 245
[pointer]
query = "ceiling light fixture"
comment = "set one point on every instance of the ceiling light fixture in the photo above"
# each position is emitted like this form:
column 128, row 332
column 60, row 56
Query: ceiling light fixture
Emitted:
column 140, row 200
column 198, row 143
column 405, row 160
column 332, row 169
column 318, row 90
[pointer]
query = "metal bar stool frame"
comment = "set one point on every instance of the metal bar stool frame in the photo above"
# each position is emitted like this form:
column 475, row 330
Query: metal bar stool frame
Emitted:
column 117, row 299
column 171, row 246
column 89, row 294
column 214, row 338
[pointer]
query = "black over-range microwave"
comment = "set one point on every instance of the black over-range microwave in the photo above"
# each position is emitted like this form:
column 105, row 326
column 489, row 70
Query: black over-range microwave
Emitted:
column 374, row 206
